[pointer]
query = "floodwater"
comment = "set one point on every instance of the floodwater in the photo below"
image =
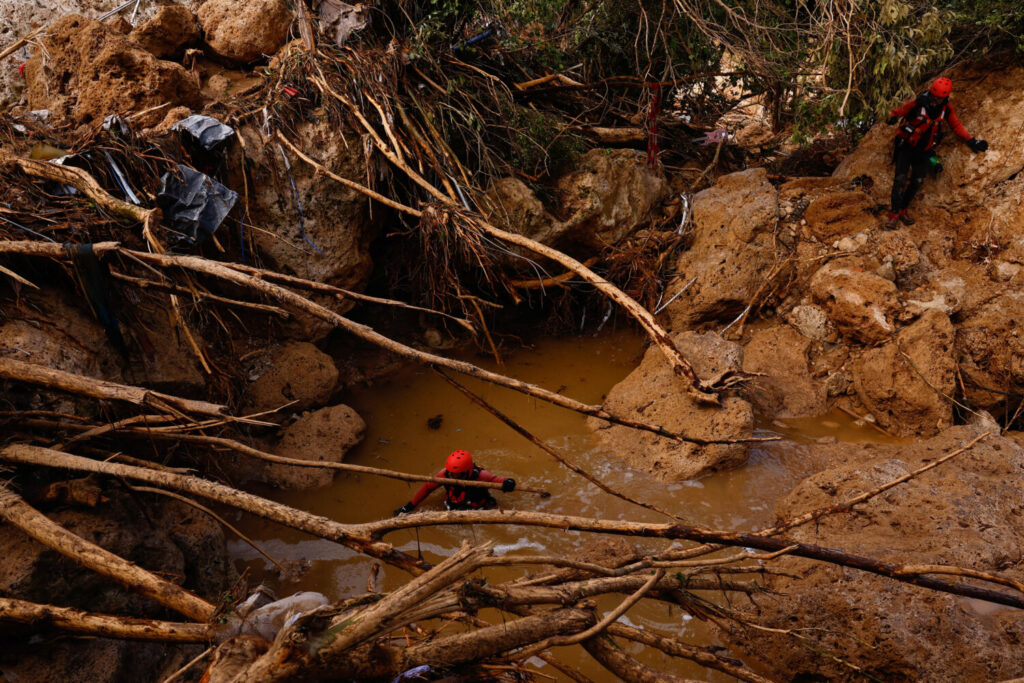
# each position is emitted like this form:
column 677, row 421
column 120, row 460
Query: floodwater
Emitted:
column 397, row 412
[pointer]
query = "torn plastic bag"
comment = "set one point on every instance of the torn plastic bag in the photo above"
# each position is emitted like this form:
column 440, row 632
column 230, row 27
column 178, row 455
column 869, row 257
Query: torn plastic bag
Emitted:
column 194, row 204
column 116, row 125
column 268, row 620
column 417, row 673
column 206, row 130
column 93, row 277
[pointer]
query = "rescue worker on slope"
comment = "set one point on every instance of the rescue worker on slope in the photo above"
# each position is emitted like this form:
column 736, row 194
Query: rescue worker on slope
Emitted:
column 459, row 466
column 920, row 130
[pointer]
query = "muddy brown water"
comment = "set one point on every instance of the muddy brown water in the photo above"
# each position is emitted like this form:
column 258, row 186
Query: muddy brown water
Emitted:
column 397, row 412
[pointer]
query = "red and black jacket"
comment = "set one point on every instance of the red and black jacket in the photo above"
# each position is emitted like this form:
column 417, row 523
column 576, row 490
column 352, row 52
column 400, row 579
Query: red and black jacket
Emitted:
column 460, row 495
column 922, row 123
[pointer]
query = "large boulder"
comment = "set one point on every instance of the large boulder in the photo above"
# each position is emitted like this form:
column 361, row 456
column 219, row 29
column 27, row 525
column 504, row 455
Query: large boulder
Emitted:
column 840, row 213
column 244, row 31
column 990, row 348
column 84, row 70
column 69, row 338
column 19, row 18
column 297, row 372
column 654, row 394
column 172, row 29
column 785, row 387
column 861, row 304
column 609, row 196
column 732, row 251
column 969, row 514
column 333, row 243
column 989, row 103
column 907, row 383
column 326, row 434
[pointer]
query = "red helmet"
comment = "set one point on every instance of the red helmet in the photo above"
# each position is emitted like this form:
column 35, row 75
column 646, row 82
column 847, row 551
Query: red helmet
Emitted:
column 941, row 87
column 459, row 462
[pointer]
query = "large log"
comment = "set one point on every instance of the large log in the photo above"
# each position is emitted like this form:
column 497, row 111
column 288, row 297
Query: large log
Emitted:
column 20, row 514
column 100, row 625
column 60, row 380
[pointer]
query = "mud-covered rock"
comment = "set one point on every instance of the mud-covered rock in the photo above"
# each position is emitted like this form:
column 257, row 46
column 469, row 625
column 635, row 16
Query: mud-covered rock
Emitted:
column 786, row 389
column 67, row 337
column 654, row 394
column 172, row 29
column 944, row 291
column 967, row 514
column 990, row 348
column 610, row 195
column 861, row 304
column 244, row 31
column 336, row 228
column 732, row 251
column 840, row 213
column 84, row 71
column 739, row 203
column 905, row 382
column 91, row 660
column 812, row 322
column 326, row 434
column 298, row 372
column 515, row 207
column 19, row 17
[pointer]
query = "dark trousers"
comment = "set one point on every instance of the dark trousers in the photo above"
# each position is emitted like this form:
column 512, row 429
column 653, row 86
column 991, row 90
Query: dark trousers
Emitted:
column 911, row 168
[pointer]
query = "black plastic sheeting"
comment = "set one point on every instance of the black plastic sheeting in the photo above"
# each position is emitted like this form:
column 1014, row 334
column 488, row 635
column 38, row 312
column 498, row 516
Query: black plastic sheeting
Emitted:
column 206, row 130
column 194, row 204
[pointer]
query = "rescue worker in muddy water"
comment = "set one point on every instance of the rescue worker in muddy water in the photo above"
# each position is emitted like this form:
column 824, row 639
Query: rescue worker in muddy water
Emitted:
column 460, row 466
column 920, row 130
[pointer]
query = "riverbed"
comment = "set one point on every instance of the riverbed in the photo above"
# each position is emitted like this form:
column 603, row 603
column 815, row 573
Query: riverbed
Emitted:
column 415, row 419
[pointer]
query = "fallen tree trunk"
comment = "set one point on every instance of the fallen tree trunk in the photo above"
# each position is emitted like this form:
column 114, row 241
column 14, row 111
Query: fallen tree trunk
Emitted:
column 18, row 513
column 100, row 625
column 31, row 373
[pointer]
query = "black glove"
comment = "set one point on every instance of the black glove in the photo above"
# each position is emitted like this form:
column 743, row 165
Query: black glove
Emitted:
column 405, row 509
column 892, row 120
column 977, row 145
column 508, row 485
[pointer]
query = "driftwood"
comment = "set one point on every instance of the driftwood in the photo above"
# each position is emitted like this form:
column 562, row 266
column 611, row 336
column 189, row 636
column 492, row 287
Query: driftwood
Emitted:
column 83, row 182
column 627, row 668
column 97, row 388
column 101, row 625
column 17, row 513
